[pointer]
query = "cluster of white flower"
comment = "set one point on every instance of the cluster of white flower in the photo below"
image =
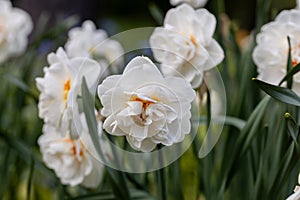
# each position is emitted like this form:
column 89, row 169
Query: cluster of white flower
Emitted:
column 271, row 53
column 65, row 141
column 61, row 143
column 142, row 104
column 15, row 26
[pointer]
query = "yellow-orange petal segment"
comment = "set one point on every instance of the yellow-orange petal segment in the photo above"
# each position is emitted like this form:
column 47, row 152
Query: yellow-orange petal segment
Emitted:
column 67, row 87
column 193, row 40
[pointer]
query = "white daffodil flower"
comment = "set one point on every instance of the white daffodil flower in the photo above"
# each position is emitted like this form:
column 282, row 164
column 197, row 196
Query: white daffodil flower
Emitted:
column 71, row 159
column 15, row 26
column 61, row 85
column 296, row 195
column 193, row 3
column 271, row 53
column 91, row 42
column 146, row 107
column 185, row 45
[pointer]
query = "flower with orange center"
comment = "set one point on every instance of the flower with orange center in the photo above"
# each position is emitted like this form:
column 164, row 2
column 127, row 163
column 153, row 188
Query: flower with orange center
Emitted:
column 71, row 159
column 185, row 46
column 271, row 53
column 60, row 87
column 67, row 88
column 15, row 26
column 145, row 107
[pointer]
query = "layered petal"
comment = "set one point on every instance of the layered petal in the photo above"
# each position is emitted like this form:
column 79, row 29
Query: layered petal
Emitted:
column 87, row 41
column 61, row 86
column 15, row 27
column 271, row 53
column 185, row 43
column 146, row 107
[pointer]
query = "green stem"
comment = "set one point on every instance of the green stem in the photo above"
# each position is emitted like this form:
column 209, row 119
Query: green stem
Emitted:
column 30, row 177
column 161, row 177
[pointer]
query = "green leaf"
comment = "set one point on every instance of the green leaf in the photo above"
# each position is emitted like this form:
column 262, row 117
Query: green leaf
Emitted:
column 243, row 143
column 293, row 127
column 31, row 170
column 229, row 120
column 289, row 65
column 22, row 149
column 118, row 183
column 156, row 13
column 89, row 111
column 161, row 177
column 282, row 169
column 21, row 85
column 284, row 95
column 175, row 179
column 108, row 195
column 252, row 125
column 290, row 73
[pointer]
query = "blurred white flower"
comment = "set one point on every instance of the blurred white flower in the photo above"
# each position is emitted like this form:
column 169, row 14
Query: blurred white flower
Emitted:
column 71, row 159
column 193, row 3
column 296, row 195
column 185, row 45
column 60, row 86
column 15, row 26
column 87, row 41
column 271, row 53
column 146, row 107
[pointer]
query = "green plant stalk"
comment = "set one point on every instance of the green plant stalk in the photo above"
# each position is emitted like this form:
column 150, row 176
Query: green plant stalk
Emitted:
column 161, row 177
column 175, row 179
column 118, row 178
column 247, row 134
column 30, row 177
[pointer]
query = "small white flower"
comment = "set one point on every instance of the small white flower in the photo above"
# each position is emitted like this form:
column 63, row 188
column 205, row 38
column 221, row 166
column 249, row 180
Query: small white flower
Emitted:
column 296, row 195
column 146, row 107
column 71, row 159
column 271, row 53
column 193, row 3
column 91, row 42
column 15, row 26
column 185, row 45
column 60, row 86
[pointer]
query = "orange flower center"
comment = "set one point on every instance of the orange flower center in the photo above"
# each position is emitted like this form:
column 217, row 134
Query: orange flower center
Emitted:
column 193, row 40
column 294, row 63
column 67, row 88
column 146, row 103
column 74, row 149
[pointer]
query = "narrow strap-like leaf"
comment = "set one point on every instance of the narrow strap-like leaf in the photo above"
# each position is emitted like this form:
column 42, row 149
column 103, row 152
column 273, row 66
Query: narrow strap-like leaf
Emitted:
column 293, row 71
column 289, row 65
column 279, row 93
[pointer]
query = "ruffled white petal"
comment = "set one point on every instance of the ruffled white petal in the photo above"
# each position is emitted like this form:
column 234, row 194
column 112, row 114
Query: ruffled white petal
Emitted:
column 186, row 43
column 271, row 53
column 146, row 107
column 15, row 26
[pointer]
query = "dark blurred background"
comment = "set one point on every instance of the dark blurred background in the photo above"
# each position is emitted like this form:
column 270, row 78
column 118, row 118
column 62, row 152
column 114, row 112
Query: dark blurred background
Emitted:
column 119, row 15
